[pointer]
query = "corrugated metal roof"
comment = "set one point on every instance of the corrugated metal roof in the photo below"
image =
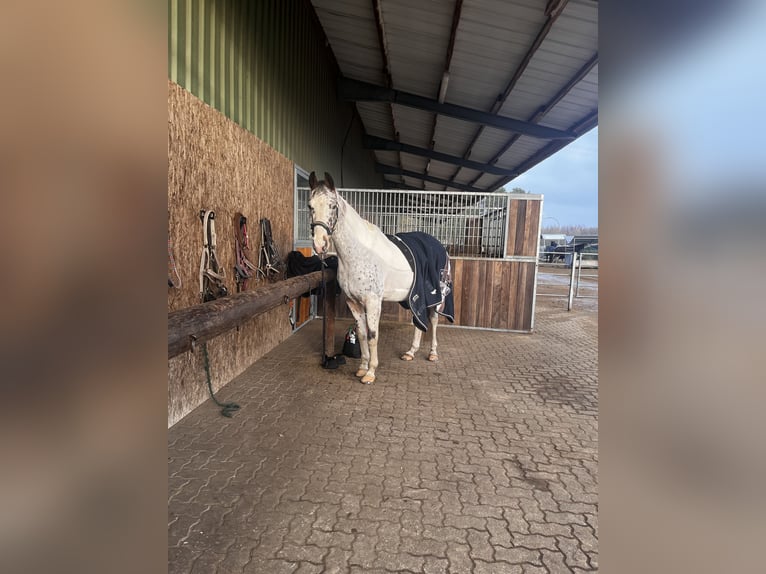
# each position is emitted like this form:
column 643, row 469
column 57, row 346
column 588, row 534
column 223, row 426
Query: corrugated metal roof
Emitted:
column 529, row 60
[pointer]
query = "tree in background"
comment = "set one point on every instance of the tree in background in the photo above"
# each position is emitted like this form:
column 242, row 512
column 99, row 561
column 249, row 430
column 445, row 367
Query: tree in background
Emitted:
column 514, row 190
column 570, row 229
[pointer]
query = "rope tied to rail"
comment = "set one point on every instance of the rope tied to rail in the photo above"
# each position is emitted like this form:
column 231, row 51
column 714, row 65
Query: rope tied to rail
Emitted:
column 228, row 409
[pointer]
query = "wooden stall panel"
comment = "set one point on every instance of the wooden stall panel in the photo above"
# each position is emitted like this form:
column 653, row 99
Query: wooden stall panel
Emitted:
column 457, row 285
column 501, row 308
column 488, row 293
column 523, row 227
column 494, row 294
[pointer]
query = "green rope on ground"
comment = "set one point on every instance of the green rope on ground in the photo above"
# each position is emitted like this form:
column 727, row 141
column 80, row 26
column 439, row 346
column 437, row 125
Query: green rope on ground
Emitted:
column 228, row 408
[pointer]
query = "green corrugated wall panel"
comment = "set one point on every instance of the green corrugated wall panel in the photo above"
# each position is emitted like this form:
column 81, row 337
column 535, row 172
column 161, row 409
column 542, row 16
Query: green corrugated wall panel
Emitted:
column 263, row 64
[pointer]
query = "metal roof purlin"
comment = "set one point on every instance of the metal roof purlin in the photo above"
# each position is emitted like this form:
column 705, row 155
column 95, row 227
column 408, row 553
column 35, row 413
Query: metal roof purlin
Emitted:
column 376, row 143
column 582, row 126
column 391, row 170
column 581, row 73
column 386, row 67
column 356, row 91
column 445, row 76
column 552, row 11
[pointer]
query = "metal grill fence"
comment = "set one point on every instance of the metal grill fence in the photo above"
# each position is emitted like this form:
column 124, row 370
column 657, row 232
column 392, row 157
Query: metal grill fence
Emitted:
column 564, row 278
column 467, row 224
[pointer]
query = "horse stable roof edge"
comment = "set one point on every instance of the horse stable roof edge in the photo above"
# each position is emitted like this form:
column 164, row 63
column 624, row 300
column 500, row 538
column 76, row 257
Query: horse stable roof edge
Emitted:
column 476, row 92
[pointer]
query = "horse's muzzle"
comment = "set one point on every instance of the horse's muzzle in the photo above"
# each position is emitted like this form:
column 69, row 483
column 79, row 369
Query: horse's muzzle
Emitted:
column 320, row 248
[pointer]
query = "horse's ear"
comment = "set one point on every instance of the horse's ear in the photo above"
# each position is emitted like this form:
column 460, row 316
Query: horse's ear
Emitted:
column 328, row 181
column 313, row 180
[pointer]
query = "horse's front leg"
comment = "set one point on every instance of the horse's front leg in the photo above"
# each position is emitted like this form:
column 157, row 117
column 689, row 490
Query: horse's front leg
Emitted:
column 372, row 307
column 357, row 310
column 433, row 356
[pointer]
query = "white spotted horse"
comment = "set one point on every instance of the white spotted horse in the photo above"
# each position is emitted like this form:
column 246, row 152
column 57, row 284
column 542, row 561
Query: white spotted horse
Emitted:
column 411, row 268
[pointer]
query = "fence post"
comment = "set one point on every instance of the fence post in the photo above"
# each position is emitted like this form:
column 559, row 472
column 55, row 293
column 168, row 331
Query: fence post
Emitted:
column 572, row 281
column 330, row 299
column 579, row 273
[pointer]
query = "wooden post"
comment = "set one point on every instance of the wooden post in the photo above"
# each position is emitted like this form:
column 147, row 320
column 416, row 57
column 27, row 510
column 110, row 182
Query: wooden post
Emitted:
column 329, row 318
column 207, row 320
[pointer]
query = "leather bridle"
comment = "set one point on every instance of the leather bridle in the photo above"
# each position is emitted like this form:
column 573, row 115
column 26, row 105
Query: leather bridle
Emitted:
column 328, row 227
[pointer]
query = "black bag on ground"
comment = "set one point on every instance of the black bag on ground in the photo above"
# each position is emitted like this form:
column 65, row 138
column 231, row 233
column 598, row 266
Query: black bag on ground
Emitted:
column 351, row 346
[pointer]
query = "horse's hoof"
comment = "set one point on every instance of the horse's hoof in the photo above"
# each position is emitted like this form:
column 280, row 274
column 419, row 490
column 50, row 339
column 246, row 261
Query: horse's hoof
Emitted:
column 367, row 379
column 361, row 372
column 407, row 357
column 433, row 357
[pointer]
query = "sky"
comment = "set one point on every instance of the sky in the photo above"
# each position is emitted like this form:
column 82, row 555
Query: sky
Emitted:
column 568, row 181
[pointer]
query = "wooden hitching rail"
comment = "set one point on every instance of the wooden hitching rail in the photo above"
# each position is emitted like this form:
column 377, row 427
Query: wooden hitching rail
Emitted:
column 207, row 320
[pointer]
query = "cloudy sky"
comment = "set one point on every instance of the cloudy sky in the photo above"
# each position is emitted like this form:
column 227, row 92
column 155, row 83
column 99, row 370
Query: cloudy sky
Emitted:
column 569, row 181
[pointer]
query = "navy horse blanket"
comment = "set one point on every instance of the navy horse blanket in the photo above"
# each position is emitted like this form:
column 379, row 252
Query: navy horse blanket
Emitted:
column 433, row 282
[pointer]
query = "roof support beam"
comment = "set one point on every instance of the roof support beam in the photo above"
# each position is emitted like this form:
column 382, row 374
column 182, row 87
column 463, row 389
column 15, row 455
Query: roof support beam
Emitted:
column 376, row 143
column 584, row 125
column 456, row 13
column 574, row 80
column 552, row 11
column 356, row 91
column 386, row 68
column 391, row 170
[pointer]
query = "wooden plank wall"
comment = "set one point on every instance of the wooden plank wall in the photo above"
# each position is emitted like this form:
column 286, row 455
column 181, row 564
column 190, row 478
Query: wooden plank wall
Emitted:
column 491, row 293
column 523, row 227
column 215, row 164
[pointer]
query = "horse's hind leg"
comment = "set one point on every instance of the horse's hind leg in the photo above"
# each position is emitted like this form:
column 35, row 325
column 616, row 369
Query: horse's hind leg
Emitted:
column 357, row 310
column 409, row 355
column 433, row 356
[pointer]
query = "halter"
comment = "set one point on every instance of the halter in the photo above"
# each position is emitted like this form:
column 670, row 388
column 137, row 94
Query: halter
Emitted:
column 328, row 227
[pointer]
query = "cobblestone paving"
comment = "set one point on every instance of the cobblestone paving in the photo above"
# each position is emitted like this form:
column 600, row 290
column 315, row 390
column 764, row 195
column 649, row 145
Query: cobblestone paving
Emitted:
column 483, row 462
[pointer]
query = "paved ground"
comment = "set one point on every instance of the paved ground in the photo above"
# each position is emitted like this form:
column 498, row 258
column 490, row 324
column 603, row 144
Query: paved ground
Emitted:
column 483, row 462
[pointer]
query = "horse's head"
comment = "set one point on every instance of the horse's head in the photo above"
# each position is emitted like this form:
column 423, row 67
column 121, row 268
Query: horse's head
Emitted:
column 324, row 211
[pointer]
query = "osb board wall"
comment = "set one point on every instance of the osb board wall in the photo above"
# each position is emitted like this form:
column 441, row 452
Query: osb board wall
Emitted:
column 215, row 164
column 523, row 227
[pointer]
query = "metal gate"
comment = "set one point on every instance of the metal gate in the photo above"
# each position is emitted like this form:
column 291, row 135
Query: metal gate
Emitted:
column 566, row 279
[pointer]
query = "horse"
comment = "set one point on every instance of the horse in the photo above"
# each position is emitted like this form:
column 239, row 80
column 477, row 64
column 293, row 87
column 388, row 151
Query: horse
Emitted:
column 371, row 269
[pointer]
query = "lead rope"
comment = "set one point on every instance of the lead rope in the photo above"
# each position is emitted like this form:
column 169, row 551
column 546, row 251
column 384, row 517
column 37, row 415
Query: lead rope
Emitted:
column 228, row 409
column 324, row 312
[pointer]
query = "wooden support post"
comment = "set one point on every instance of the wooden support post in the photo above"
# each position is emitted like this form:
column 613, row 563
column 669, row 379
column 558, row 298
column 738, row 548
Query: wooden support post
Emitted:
column 207, row 320
column 329, row 318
